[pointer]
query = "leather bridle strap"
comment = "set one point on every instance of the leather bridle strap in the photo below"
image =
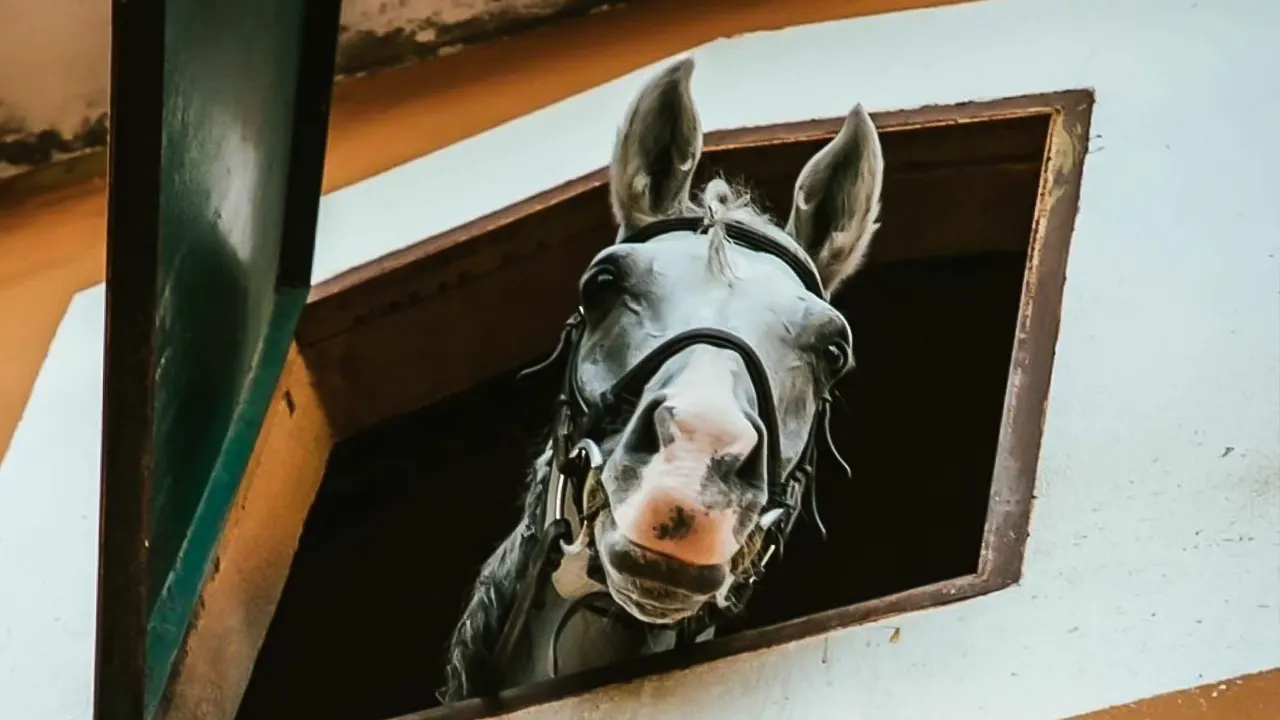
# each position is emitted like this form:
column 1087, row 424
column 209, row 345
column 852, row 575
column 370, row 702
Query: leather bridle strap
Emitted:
column 743, row 235
column 628, row 388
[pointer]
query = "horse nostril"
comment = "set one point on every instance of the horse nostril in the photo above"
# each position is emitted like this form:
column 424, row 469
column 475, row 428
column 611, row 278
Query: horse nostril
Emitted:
column 646, row 434
column 664, row 424
column 751, row 469
column 725, row 466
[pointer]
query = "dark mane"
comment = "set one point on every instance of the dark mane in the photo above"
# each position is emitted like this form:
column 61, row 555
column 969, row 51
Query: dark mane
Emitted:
column 494, row 592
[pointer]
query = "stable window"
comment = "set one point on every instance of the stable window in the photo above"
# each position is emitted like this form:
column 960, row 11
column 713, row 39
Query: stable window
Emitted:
column 954, row 322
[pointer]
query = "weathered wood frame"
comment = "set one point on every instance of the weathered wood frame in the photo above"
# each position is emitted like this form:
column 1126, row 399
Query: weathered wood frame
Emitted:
column 298, row 432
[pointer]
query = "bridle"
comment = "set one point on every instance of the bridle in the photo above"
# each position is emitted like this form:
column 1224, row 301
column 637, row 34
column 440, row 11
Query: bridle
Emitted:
column 575, row 496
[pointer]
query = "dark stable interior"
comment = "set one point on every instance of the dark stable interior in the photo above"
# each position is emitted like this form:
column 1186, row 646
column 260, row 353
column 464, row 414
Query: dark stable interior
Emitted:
column 410, row 508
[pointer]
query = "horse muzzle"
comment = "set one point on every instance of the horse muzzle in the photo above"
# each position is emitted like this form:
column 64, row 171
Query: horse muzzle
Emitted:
column 652, row 586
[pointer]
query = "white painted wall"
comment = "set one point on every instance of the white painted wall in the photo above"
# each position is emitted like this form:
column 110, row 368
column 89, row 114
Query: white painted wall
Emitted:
column 49, row 528
column 1154, row 559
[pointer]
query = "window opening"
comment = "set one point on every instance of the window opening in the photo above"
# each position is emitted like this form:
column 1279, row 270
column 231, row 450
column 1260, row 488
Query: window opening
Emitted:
column 412, row 505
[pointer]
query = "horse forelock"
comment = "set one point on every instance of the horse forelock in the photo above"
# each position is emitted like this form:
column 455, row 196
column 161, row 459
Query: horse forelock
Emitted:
column 721, row 202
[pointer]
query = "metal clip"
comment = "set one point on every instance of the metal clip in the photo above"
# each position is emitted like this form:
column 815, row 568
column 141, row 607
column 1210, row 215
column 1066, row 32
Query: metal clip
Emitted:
column 563, row 427
column 758, row 571
column 587, row 458
column 794, row 492
column 769, row 518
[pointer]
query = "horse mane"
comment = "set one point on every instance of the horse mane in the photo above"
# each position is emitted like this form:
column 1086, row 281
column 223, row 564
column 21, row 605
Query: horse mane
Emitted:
column 474, row 638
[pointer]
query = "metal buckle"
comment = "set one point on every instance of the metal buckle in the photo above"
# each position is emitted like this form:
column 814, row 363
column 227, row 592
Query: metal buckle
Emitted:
column 764, row 561
column 586, row 456
column 794, row 492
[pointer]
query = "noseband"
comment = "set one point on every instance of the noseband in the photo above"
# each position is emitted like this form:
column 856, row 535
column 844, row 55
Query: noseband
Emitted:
column 575, row 495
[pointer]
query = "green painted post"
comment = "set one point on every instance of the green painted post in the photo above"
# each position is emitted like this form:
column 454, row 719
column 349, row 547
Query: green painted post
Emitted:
column 218, row 124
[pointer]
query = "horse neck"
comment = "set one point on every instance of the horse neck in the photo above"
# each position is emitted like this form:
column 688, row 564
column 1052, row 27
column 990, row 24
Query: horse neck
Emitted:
column 586, row 640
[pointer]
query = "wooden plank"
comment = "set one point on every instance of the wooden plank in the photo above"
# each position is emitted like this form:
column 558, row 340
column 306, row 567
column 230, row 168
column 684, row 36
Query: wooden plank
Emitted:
column 254, row 552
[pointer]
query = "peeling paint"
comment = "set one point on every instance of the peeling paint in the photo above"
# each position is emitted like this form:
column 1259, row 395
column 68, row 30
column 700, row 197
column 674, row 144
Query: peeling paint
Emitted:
column 22, row 149
column 376, row 34
column 54, row 63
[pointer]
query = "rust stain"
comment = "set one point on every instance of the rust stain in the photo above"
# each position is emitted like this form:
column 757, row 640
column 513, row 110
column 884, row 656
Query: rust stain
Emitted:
column 896, row 636
column 1064, row 149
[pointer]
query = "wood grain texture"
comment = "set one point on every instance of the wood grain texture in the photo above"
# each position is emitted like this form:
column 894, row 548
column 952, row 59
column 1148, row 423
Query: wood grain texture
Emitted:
column 254, row 552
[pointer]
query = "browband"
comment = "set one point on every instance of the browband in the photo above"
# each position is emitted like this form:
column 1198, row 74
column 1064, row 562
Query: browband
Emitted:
column 743, row 235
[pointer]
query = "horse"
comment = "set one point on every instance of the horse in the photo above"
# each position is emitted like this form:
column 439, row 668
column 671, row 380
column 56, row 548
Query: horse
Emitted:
column 697, row 378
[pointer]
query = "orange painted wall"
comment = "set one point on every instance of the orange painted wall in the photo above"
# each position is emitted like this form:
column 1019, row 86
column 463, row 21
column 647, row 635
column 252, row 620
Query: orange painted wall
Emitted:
column 54, row 246
column 50, row 248
column 1248, row 697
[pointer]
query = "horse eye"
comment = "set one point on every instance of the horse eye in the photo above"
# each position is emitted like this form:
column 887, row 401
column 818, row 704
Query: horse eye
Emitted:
column 600, row 287
column 836, row 357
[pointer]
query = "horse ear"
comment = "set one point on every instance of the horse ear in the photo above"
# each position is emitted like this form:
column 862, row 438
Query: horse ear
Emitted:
column 656, row 151
column 837, row 200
